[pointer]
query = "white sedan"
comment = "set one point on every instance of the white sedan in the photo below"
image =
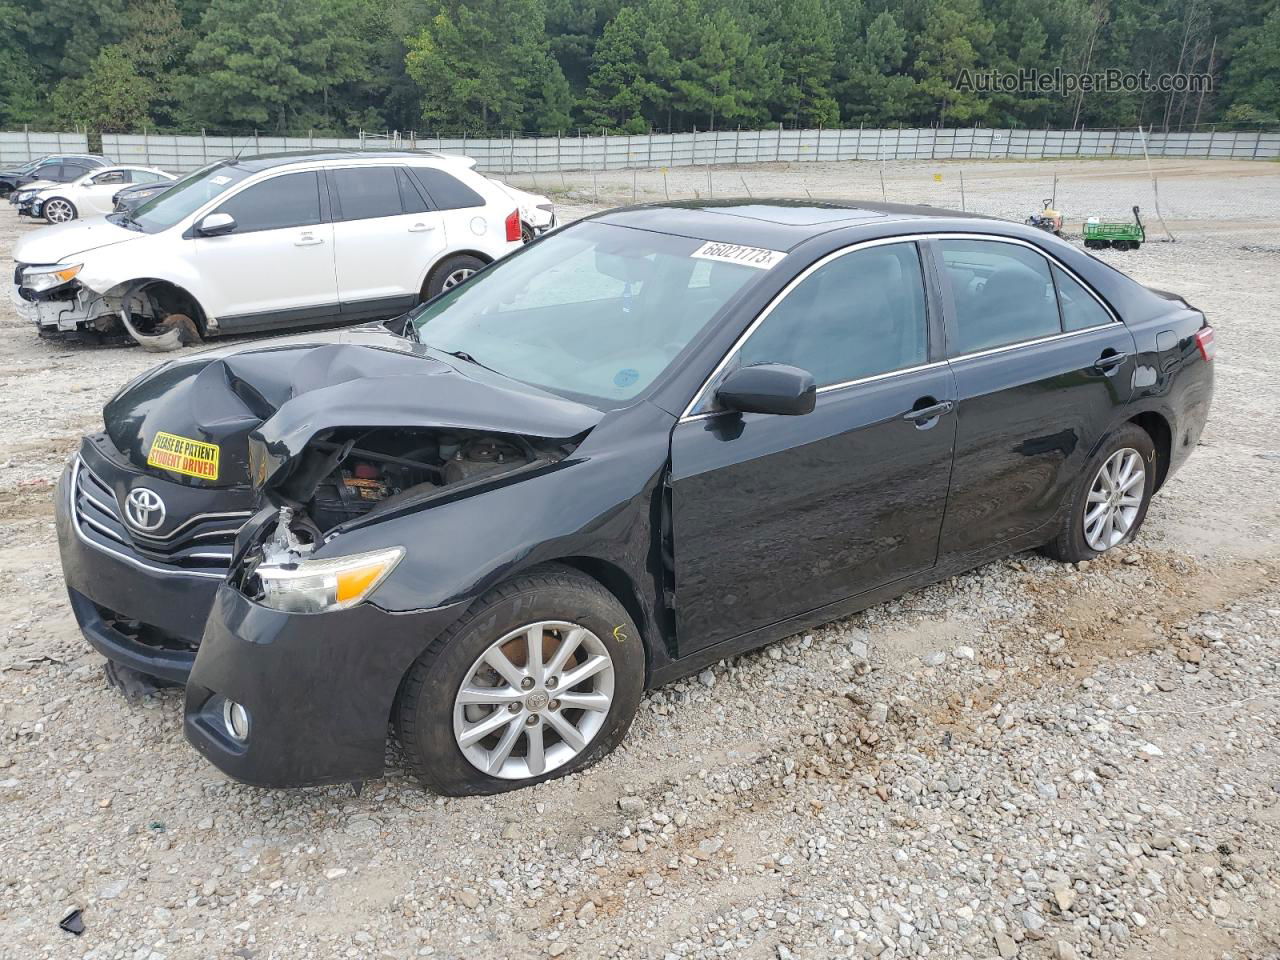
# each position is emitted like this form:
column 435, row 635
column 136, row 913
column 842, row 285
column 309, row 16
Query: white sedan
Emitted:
column 89, row 196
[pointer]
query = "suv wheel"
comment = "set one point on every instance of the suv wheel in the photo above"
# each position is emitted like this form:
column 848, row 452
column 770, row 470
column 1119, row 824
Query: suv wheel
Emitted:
column 1111, row 497
column 539, row 679
column 450, row 272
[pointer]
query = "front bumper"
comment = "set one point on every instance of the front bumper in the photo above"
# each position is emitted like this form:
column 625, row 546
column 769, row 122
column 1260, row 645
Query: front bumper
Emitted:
column 56, row 315
column 143, row 609
column 318, row 687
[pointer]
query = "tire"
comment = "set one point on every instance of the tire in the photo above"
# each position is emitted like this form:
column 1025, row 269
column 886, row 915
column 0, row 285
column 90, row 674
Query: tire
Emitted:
column 59, row 210
column 1073, row 542
column 5, row 190
column 451, row 271
column 432, row 726
column 526, row 233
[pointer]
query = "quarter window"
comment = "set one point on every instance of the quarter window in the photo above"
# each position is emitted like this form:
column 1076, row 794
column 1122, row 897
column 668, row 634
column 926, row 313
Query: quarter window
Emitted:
column 1080, row 310
column 1003, row 294
column 292, row 200
column 446, row 192
column 860, row 315
column 367, row 192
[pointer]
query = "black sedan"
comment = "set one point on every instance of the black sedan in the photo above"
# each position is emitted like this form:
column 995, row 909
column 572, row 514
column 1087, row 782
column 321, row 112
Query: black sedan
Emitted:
column 130, row 197
column 647, row 441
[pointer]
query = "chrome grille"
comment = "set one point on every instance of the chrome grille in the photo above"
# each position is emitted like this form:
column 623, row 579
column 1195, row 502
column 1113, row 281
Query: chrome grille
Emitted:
column 202, row 545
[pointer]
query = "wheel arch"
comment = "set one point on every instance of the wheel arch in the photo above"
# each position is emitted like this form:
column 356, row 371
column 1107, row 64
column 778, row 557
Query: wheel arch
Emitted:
column 486, row 258
column 1157, row 427
column 177, row 292
column 619, row 583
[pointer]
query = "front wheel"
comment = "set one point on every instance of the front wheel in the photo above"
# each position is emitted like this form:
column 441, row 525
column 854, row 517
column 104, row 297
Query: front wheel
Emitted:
column 59, row 210
column 450, row 272
column 539, row 679
column 1111, row 498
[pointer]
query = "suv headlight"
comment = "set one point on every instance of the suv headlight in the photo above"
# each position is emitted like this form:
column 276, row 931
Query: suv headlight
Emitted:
column 40, row 279
column 332, row 583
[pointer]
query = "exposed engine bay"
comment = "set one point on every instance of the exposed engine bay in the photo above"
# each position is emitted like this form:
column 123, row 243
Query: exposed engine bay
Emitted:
column 346, row 474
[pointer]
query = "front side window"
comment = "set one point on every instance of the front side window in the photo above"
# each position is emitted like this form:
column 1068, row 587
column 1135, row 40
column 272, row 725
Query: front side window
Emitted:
column 1080, row 310
column 595, row 311
column 292, row 200
column 857, row 316
column 1003, row 294
column 50, row 171
column 367, row 192
column 110, row 177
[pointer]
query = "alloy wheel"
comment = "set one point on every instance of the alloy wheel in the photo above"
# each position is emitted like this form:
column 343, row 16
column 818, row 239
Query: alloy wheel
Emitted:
column 58, row 211
column 1115, row 499
column 456, row 277
column 534, row 700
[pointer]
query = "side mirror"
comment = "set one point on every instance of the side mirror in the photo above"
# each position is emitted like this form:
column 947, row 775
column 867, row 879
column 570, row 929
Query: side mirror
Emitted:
column 769, row 388
column 216, row 224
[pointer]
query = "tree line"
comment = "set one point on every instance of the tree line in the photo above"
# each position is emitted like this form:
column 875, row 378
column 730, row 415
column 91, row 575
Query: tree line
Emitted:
column 482, row 66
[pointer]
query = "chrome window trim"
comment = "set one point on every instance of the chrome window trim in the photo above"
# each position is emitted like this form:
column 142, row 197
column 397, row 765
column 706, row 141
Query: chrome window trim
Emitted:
column 689, row 416
column 123, row 557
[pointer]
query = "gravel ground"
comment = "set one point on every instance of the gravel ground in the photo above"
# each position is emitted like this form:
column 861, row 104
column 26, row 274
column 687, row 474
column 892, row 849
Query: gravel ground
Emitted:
column 1032, row 760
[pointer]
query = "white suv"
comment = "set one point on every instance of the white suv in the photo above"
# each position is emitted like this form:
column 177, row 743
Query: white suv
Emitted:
column 268, row 243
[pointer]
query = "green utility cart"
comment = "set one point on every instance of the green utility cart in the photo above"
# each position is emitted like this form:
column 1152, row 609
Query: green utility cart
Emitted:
column 1123, row 236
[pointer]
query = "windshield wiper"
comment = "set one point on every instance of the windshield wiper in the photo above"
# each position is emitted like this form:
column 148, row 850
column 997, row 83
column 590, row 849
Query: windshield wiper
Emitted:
column 126, row 221
column 461, row 355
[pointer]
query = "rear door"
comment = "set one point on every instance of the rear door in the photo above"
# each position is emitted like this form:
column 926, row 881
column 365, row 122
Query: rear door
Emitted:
column 385, row 237
column 775, row 516
column 276, row 267
column 1041, row 366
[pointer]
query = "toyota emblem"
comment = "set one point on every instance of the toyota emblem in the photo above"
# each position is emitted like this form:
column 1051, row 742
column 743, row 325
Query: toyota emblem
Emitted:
column 144, row 509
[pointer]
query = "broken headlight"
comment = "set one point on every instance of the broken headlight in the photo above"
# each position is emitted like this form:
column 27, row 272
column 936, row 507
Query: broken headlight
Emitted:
column 321, row 585
column 45, row 278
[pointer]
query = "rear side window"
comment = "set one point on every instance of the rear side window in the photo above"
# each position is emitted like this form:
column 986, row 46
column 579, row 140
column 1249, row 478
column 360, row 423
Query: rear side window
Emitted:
column 292, row 200
column 860, row 315
column 1080, row 309
column 446, row 192
column 367, row 192
column 411, row 200
column 1003, row 294
column 144, row 176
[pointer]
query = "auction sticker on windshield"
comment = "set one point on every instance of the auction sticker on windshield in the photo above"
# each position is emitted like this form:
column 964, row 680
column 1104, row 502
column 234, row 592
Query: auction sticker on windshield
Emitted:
column 757, row 257
column 192, row 458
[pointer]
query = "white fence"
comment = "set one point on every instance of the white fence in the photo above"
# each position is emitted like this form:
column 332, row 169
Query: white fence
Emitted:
column 546, row 154
column 19, row 146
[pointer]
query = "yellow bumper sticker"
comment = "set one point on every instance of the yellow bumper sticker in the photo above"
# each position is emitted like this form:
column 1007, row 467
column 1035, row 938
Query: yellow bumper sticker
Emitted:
column 180, row 455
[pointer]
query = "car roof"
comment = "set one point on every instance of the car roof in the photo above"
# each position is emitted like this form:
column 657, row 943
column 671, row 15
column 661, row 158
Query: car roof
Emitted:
column 268, row 161
column 778, row 224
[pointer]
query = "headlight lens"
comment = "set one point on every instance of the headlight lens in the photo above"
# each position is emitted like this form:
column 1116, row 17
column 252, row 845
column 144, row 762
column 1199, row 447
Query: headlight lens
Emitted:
column 332, row 583
column 46, row 278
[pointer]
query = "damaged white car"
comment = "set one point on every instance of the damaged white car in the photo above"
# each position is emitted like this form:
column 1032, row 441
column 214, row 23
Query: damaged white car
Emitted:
column 272, row 242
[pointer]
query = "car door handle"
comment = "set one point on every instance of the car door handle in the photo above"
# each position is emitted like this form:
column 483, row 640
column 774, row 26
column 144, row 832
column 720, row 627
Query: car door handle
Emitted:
column 422, row 227
column 925, row 414
column 1109, row 361
column 308, row 240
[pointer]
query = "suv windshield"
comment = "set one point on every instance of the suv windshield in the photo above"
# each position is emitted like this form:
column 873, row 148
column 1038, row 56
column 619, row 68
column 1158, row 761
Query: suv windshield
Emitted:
column 594, row 311
column 184, row 197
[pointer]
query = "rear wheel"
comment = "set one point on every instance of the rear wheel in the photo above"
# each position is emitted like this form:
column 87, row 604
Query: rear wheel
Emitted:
column 59, row 210
column 1111, row 497
column 450, row 272
column 539, row 679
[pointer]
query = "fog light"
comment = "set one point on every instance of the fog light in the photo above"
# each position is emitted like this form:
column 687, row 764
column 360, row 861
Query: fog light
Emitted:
column 235, row 718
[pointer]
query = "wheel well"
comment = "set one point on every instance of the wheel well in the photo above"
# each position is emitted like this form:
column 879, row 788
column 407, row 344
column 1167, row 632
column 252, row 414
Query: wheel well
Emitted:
column 1157, row 428
column 616, row 581
column 426, row 281
column 169, row 297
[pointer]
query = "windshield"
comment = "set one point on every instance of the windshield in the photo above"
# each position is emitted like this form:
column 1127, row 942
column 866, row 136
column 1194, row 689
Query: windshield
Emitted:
column 595, row 311
column 185, row 197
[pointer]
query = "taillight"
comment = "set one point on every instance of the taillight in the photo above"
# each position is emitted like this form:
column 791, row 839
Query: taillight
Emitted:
column 1204, row 340
column 513, row 227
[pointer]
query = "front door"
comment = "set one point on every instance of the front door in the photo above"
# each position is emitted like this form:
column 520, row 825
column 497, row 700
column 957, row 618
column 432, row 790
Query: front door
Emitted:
column 1041, row 367
column 276, row 267
column 775, row 516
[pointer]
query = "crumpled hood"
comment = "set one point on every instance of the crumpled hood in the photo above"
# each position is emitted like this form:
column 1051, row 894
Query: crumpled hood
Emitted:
column 61, row 241
column 286, row 391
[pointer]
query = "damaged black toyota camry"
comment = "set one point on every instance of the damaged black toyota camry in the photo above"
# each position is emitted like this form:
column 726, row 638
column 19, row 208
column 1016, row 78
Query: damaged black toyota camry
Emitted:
column 650, row 440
